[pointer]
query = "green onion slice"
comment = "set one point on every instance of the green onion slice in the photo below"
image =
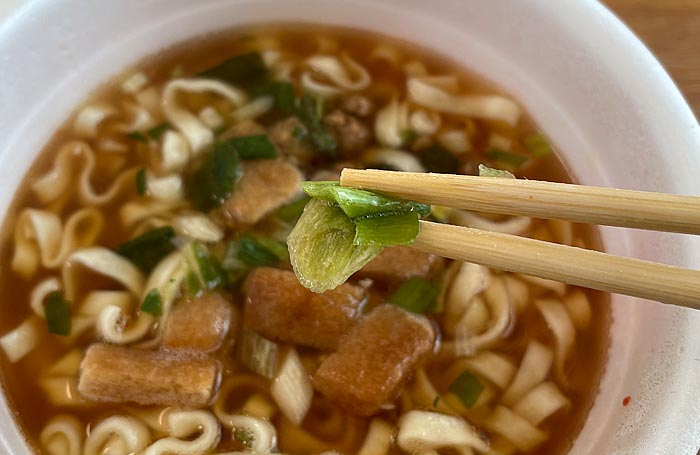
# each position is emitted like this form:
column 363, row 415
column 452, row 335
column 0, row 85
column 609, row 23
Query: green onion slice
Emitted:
column 214, row 181
column 146, row 250
column 438, row 159
column 282, row 92
column 58, row 313
column 322, row 249
column 360, row 203
column 241, row 69
column 141, row 182
column 261, row 251
column 253, row 147
column 387, row 230
column 467, row 388
column 416, row 295
column 153, row 303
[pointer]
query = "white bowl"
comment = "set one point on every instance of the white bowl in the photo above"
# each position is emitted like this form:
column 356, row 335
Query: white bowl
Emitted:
column 597, row 92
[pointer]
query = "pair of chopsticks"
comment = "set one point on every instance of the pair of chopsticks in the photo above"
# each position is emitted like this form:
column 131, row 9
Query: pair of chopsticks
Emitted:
column 567, row 264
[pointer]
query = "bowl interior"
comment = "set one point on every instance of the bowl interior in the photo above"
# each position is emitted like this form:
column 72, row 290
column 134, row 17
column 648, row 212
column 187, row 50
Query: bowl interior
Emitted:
column 597, row 92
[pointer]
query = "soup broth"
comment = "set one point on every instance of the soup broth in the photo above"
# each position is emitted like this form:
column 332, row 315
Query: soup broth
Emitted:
column 515, row 361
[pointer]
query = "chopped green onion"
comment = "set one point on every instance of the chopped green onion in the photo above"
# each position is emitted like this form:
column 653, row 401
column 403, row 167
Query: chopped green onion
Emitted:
column 141, row 182
column 261, row 251
column 310, row 112
column 436, row 401
column 360, row 203
column 416, row 295
column 253, row 147
column 258, row 353
column 408, row 135
column 485, row 171
column 206, row 269
column 137, row 136
column 438, row 159
column 537, row 144
column 467, row 388
column 153, row 303
column 292, row 211
column 282, row 92
column 58, row 313
column 245, row 437
column 214, row 181
column 387, row 230
column 509, row 158
column 321, row 247
column 157, row 131
column 192, row 283
column 146, row 250
column 239, row 70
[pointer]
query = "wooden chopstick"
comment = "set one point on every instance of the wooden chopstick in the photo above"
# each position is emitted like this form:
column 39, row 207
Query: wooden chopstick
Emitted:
column 571, row 265
column 562, row 201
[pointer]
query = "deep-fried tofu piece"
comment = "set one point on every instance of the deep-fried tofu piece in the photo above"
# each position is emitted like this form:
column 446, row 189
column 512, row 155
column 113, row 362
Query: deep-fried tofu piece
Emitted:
column 278, row 307
column 399, row 263
column 116, row 374
column 198, row 324
column 265, row 186
column 375, row 359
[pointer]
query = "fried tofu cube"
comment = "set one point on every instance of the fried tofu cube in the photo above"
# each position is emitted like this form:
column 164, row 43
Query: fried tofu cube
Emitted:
column 375, row 359
column 198, row 324
column 399, row 263
column 278, row 307
column 117, row 374
column 265, row 186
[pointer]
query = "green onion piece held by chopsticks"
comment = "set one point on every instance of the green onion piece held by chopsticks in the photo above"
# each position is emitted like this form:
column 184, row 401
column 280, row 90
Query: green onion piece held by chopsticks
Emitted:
column 321, row 247
column 360, row 203
column 146, row 250
column 153, row 303
column 387, row 230
column 58, row 313
column 416, row 295
column 467, row 388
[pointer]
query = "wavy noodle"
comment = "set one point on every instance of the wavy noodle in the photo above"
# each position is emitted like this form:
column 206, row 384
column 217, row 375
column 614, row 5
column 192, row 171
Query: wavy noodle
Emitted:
column 541, row 402
column 468, row 281
column 141, row 118
column 183, row 425
column 395, row 159
column 534, row 368
column 390, row 122
column 424, row 394
column 198, row 227
column 62, row 435
column 424, row 122
column 579, row 308
column 515, row 225
column 387, row 53
column 379, row 438
column 501, row 315
column 89, row 119
column 39, row 293
column 211, row 118
column 555, row 286
column 496, row 368
column 421, row 431
column 518, row 291
column 21, row 340
column 428, row 93
column 559, row 322
column 102, row 261
column 456, row 141
column 134, row 83
column 127, row 432
column 166, row 278
column 61, row 177
column 197, row 134
column 42, row 239
column 263, row 433
column 256, row 108
column 343, row 77
column 515, row 429
column 175, row 151
column 132, row 213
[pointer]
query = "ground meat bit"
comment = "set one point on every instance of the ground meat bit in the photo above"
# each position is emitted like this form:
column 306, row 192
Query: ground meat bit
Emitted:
column 244, row 128
column 288, row 135
column 358, row 105
column 351, row 133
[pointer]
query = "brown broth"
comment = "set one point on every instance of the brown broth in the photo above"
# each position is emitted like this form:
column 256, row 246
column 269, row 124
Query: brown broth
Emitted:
column 19, row 380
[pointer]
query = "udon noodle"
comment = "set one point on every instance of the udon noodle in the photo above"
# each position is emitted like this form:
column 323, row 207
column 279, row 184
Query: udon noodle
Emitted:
column 148, row 302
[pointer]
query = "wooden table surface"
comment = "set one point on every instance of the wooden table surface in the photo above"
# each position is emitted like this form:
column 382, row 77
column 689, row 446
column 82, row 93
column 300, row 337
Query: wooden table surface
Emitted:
column 671, row 29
